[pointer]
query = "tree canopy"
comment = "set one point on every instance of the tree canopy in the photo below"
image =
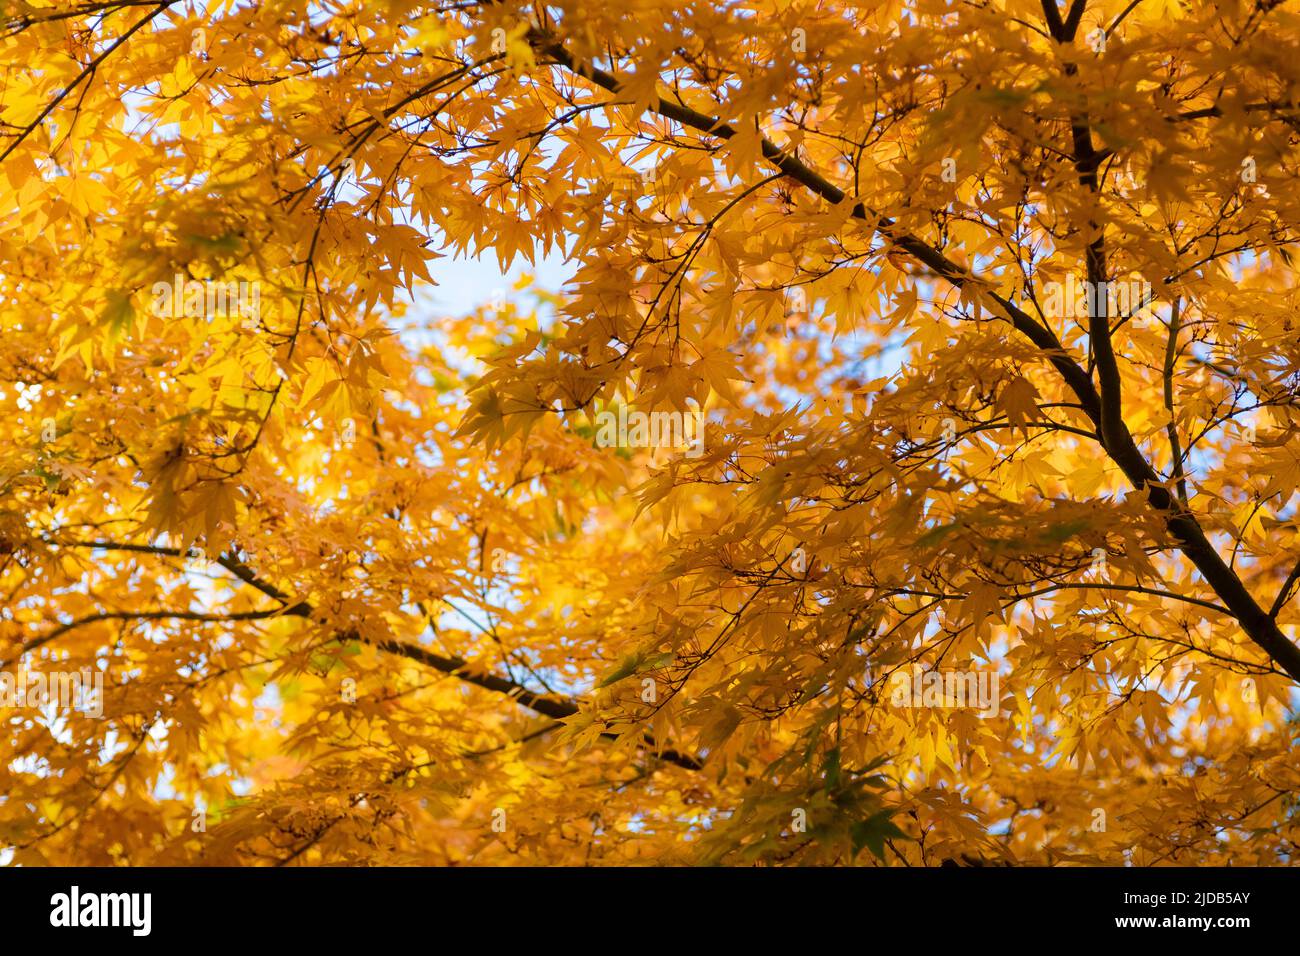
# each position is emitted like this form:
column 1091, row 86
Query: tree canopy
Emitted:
column 903, row 341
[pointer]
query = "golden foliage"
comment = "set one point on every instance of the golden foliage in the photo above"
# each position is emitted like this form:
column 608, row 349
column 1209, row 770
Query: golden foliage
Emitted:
column 371, row 584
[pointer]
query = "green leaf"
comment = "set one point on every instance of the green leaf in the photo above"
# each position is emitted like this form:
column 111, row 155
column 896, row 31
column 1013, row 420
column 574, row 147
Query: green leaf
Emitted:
column 626, row 668
column 832, row 768
column 873, row 832
column 636, row 662
column 935, row 535
column 118, row 312
column 1062, row 532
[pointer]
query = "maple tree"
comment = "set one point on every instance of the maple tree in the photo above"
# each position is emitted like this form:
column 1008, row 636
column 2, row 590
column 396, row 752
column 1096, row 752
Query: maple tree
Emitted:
column 363, row 585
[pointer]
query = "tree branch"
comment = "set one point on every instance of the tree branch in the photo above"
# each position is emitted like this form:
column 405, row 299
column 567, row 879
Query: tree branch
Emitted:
column 81, row 77
column 548, row 705
column 1118, row 444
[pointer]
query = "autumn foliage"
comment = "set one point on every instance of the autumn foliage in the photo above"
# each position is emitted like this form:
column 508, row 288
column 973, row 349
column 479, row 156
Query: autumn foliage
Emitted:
column 366, row 585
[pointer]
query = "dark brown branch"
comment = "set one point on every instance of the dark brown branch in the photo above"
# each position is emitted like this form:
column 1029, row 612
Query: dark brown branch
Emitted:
column 1284, row 595
column 1118, row 444
column 548, row 705
column 81, row 77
